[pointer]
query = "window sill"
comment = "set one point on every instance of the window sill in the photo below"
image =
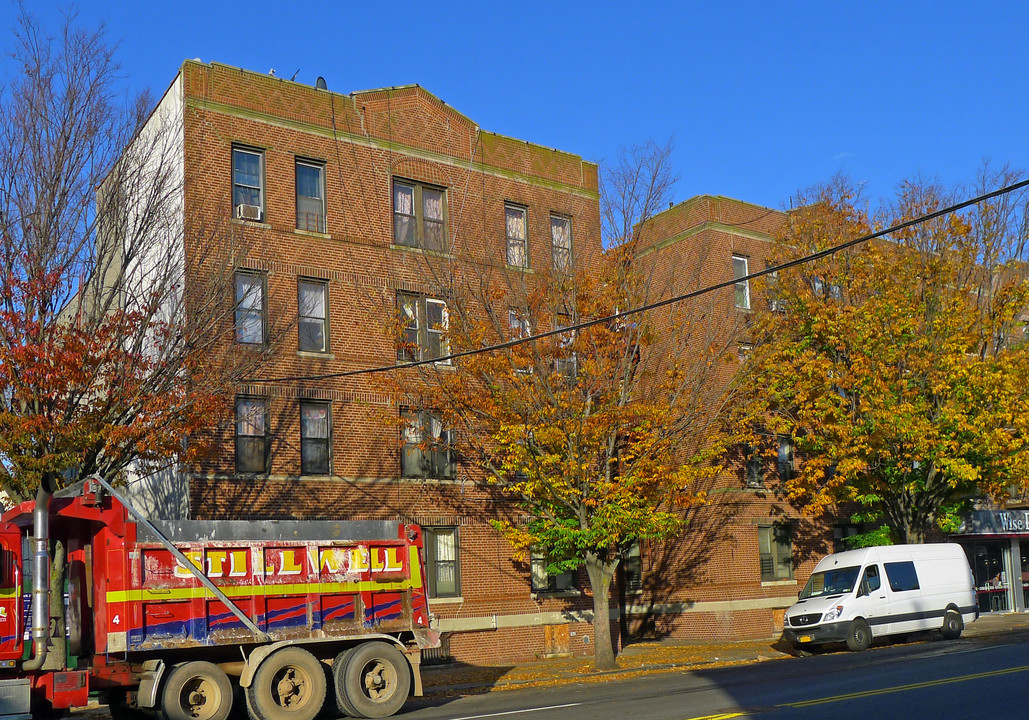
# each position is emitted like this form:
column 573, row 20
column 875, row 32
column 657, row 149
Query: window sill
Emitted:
column 312, row 233
column 778, row 583
column 421, row 251
column 446, row 600
column 520, row 268
column 557, row 594
column 251, row 223
column 315, row 355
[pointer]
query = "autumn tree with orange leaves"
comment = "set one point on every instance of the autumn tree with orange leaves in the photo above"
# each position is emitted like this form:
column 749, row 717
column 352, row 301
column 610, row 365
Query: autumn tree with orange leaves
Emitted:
column 107, row 361
column 898, row 367
column 599, row 437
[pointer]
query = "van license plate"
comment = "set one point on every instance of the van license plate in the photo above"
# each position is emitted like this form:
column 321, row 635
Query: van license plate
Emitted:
column 804, row 638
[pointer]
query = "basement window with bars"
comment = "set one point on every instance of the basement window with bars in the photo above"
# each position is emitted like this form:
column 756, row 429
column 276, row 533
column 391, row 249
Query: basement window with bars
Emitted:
column 775, row 544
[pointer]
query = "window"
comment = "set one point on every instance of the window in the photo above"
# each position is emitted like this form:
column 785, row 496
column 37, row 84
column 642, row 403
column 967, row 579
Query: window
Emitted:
column 423, row 328
column 252, row 441
column 870, row 580
column 441, row 566
column 902, row 576
column 249, row 315
column 312, row 321
column 784, row 458
column 517, row 247
column 755, row 477
column 543, row 581
column 743, row 351
column 419, row 216
column 315, row 445
column 427, row 449
column 742, row 290
column 776, row 548
column 310, row 196
column 565, row 364
column 775, row 303
column 840, row 533
column 247, row 183
column 561, row 240
column 632, row 568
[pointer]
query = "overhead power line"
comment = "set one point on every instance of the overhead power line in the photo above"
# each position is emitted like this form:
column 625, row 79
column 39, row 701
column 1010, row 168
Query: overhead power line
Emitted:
column 658, row 304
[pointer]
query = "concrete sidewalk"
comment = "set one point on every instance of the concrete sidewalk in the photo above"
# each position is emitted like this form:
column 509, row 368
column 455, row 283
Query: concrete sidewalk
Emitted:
column 653, row 656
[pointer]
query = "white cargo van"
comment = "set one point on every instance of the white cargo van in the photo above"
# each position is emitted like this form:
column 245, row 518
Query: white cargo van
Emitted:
column 856, row 595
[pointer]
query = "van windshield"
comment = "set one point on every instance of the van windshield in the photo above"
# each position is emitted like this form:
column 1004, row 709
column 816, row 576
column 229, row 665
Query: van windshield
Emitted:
column 837, row 581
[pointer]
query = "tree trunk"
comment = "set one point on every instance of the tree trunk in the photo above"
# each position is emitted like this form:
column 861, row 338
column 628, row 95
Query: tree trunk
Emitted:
column 600, row 574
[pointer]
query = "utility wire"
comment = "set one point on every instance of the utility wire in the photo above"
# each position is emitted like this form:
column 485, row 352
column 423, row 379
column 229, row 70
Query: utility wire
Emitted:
column 660, row 303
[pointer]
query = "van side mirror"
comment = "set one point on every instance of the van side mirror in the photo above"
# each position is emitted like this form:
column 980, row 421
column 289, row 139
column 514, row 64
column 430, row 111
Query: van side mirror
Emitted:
column 863, row 589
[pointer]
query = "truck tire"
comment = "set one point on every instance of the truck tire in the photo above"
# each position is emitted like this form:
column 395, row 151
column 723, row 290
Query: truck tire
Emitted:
column 196, row 691
column 860, row 635
column 372, row 680
column 289, row 685
column 952, row 625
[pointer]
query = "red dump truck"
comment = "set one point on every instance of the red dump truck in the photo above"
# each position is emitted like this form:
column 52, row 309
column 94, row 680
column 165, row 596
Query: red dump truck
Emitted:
column 184, row 621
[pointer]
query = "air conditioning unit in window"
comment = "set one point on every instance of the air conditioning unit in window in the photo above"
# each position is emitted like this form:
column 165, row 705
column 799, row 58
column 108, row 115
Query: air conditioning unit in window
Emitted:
column 248, row 212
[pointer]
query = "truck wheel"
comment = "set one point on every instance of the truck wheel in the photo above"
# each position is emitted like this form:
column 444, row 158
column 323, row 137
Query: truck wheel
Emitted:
column 860, row 636
column 196, row 691
column 952, row 625
column 288, row 685
column 372, row 680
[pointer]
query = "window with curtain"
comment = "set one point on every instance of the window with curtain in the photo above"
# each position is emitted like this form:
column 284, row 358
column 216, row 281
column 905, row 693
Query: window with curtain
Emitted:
column 423, row 328
column 252, row 440
column 419, row 216
column 315, row 438
column 248, row 181
column 427, row 446
column 561, row 240
column 742, row 287
column 249, row 315
column 441, row 561
column 313, row 316
column 310, row 196
column 543, row 581
column 775, row 545
column 517, row 249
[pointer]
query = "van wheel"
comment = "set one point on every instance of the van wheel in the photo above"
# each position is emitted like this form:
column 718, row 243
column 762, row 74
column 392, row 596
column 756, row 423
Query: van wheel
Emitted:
column 860, row 636
column 952, row 625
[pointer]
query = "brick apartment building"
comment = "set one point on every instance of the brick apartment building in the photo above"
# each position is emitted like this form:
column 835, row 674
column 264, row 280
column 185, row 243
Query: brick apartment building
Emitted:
column 354, row 209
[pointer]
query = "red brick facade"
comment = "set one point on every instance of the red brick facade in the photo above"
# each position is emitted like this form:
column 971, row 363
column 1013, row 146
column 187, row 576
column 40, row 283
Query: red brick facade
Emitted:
column 707, row 584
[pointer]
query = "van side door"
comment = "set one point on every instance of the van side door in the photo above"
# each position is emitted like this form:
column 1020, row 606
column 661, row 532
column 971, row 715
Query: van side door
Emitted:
column 872, row 600
column 905, row 597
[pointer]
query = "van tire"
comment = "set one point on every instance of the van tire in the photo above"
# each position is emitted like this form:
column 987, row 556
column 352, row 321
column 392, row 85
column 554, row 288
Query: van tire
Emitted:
column 860, row 635
column 952, row 625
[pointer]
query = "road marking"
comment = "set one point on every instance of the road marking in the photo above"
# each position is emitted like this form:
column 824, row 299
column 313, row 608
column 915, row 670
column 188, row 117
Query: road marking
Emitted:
column 721, row 716
column 903, row 688
column 517, row 712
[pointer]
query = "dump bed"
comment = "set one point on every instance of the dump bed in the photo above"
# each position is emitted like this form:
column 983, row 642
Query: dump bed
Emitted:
column 294, row 580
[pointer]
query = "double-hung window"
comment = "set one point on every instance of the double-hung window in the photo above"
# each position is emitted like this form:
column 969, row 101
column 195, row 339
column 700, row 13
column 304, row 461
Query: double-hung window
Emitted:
column 315, row 438
column 775, row 545
column 419, row 216
column 742, row 287
column 561, row 241
column 249, row 316
column 248, row 183
column 784, row 458
column 517, row 236
column 565, row 363
column 427, row 448
column 252, row 440
column 755, row 476
column 543, row 581
column 441, row 562
column 310, row 196
column 312, row 315
column 423, row 328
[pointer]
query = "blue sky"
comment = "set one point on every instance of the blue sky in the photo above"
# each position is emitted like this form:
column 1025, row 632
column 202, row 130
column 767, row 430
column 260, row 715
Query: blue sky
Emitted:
column 760, row 98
